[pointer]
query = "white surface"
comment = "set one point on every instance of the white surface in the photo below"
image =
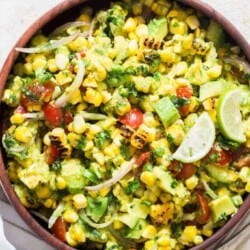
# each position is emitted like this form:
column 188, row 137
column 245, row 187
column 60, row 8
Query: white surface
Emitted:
column 15, row 17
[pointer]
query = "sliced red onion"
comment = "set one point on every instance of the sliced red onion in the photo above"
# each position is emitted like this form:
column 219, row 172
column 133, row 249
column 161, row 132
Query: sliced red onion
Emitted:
column 84, row 216
column 68, row 25
column 125, row 169
column 62, row 100
column 51, row 45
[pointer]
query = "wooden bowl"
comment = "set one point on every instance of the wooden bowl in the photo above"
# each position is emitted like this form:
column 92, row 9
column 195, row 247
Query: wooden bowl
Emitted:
column 67, row 10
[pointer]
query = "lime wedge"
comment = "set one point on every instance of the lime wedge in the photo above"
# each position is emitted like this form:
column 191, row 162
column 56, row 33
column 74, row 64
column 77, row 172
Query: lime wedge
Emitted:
column 229, row 115
column 198, row 141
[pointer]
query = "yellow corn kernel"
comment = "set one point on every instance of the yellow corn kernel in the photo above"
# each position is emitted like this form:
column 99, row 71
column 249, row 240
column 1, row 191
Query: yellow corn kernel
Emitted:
column 70, row 240
column 27, row 68
column 176, row 133
column 111, row 151
column 150, row 245
column 117, row 224
column 129, row 25
column 207, row 232
column 70, row 216
column 141, row 30
column 149, row 232
column 48, row 203
column 52, row 67
column 214, row 72
column 72, row 137
column 63, row 77
column 159, row 8
column 39, row 61
column 194, row 104
column 92, row 96
column 191, row 182
column 165, row 197
column 84, row 18
column 189, row 233
column 193, row 22
column 43, row 192
column 177, row 27
column 81, row 106
column 167, row 55
column 104, row 191
column 164, row 241
column 60, row 183
column 17, row 118
column 77, row 233
column 148, row 178
column 79, row 125
column 181, row 68
column 132, row 47
column 23, row 134
column 198, row 239
column 80, row 201
column 137, row 9
column 247, row 187
column 244, row 174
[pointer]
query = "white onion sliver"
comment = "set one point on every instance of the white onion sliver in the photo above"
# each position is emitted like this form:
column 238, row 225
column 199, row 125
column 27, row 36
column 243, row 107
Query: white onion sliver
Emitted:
column 51, row 45
column 68, row 25
column 93, row 116
column 35, row 115
column 125, row 168
column 61, row 100
column 238, row 62
column 93, row 224
column 56, row 214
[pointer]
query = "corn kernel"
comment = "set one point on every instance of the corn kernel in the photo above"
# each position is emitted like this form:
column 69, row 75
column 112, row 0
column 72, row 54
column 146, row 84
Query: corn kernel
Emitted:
column 198, row 239
column 77, row 233
column 104, row 191
column 39, row 40
column 214, row 72
column 78, row 125
column 80, row 201
column 43, row 192
column 191, row 182
column 141, row 30
column 148, row 178
column 244, row 174
column 70, row 216
column 189, row 233
column 60, row 183
column 149, row 232
column 23, row 134
column 132, row 47
column 137, row 9
column 177, row 27
column 92, row 96
column 207, row 232
column 39, row 61
column 76, row 97
column 27, row 68
column 164, row 241
column 181, row 68
column 193, row 22
column 117, row 224
column 70, row 240
column 48, row 203
column 247, row 187
column 61, row 60
column 17, row 118
column 150, row 245
column 52, row 67
column 129, row 25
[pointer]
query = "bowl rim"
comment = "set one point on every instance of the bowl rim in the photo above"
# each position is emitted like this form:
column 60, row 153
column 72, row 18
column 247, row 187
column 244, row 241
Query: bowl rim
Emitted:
column 58, row 9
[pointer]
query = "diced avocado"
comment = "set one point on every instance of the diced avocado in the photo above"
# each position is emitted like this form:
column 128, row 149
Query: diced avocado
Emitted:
column 216, row 34
column 135, row 232
column 221, row 174
column 237, row 200
column 136, row 210
column 97, row 207
column 222, row 207
column 213, row 89
column 166, row 111
column 73, row 173
column 168, row 183
column 158, row 28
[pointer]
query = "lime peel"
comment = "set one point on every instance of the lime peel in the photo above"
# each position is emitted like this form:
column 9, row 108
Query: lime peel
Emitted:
column 229, row 115
column 198, row 141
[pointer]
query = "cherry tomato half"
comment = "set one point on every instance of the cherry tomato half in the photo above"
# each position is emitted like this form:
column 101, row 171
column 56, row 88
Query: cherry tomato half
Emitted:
column 133, row 119
column 59, row 229
column 219, row 156
column 142, row 159
column 205, row 213
column 52, row 154
column 184, row 92
column 54, row 115
column 187, row 170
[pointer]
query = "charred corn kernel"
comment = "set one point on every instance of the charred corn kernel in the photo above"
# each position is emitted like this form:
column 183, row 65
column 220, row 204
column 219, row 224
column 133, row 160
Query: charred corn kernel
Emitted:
column 164, row 241
column 200, row 46
column 48, row 203
column 43, row 192
column 92, row 96
column 60, row 183
column 192, row 182
column 149, row 232
column 17, row 118
column 52, row 67
column 247, row 187
column 80, row 201
column 70, row 240
column 198, row 239
column 189, row 233
column 39, row 61
column 176, row 132
column 244, row 174
column 193, row 22
column 78, row 125
column 141, row 30
column 148, row 178
column 207, row 232
column 177, row 27
column 70, row 216
column 181, row 68
column 117, row 224
column 132, row 47
column 129, row 25
column 161, row 213
column 27, row 68
column 23, row 134
column 150, row 245
column 214, row 72
column 137, row 9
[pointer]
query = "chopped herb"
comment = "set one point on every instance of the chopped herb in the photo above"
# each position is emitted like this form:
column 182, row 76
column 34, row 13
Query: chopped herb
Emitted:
column 174, row 184
column 159, row 152
column 102, row 138
column 179, row 102
column 227, row 144
column 133, row 186
column 176, row 229
column 125, row 151
column 91, row 175
column 42, row 75
column 81, row 143
column 56, row 166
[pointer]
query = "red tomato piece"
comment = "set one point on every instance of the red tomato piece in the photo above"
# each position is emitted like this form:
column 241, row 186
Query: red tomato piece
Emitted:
column 184, row 110
column 54, row 115
column 219, row 156
column 142, row 159
column 48, row 89
column 52, row 154
column 59, row 229
column 133, row 119
column 187, row 170
column 205, row 213
column 68, row 118
column 184, row 92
